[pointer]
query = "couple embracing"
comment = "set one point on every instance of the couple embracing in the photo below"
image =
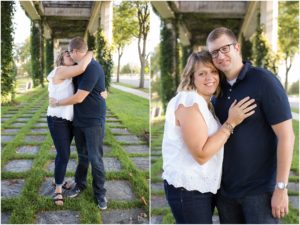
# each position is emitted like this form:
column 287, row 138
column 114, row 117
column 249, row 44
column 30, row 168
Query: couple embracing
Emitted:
column 228, row 139
column 77, row 109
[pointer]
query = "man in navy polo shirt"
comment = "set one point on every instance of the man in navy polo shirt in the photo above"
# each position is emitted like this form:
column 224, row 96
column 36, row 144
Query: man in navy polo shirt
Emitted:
column 88, row 122
column 258, row 155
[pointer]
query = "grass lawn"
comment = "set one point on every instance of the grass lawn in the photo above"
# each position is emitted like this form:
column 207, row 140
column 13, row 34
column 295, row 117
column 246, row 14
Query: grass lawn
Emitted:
column 295, row 110
column 24, row 208
column 146, row 90
column 131, row 109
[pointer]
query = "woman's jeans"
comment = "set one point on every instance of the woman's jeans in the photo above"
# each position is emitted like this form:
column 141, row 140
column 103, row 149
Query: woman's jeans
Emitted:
column 192, row 207
column 62, row 134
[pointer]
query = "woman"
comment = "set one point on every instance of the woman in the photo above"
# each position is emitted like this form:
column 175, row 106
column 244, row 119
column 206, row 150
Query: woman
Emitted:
column 193, row 141
column 60, row 118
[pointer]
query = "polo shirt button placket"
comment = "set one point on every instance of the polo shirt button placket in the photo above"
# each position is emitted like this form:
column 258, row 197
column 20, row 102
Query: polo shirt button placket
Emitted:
column 229, row 93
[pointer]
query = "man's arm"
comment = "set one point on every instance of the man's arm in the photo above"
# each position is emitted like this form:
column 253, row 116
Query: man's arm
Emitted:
column 285, row 135
column 79, row 96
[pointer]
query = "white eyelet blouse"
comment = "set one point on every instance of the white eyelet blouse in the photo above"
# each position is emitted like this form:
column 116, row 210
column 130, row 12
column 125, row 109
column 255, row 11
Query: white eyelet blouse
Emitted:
column 179, row 167
column 60, row 91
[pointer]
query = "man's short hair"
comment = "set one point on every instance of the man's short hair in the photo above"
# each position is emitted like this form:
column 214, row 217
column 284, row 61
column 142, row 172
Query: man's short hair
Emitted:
column 218, row 32
column 78, row 43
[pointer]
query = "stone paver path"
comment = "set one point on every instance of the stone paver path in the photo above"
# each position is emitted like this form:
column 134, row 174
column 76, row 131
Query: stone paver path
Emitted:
column 25, row 154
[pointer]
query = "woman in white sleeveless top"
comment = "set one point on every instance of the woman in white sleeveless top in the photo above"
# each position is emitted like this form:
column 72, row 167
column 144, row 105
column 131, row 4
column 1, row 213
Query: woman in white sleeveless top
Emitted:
column 193, row 141
column 60, row 118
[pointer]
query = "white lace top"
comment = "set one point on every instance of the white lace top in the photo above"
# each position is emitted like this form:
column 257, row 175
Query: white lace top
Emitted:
column 180, row 168
column 60, row 91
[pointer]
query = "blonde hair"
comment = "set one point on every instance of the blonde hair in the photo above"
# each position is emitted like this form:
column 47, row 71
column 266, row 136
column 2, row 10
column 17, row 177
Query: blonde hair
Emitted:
column 187, row 77
column 60, row 58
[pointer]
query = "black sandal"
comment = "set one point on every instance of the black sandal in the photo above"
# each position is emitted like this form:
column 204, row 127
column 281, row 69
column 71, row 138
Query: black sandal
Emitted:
column 67, row 185
column 57, row 199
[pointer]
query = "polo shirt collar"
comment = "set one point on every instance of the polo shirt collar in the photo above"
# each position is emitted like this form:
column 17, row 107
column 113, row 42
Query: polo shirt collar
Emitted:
column 241, row 76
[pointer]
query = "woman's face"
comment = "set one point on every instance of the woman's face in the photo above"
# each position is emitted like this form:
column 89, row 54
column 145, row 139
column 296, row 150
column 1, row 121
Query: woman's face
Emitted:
column 206, row 79
column 68, row 61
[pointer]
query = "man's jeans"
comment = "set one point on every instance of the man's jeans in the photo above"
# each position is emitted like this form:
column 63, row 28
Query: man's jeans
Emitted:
column 89, row 147
column 190, row 207
column 252, row 209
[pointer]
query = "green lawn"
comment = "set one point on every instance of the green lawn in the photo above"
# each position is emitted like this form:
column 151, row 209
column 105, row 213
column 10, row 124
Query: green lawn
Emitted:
column 131, row 109
column 25, row 207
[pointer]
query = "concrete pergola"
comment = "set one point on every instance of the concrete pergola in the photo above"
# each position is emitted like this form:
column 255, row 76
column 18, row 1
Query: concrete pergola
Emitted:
column 197, row 18
column 63, row 20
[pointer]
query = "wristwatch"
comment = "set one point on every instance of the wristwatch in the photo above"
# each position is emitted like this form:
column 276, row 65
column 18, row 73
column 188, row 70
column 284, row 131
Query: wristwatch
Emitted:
column 281, row 185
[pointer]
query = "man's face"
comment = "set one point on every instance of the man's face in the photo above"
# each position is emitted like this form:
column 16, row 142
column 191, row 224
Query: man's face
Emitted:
column 225, row 53
column 73, row 54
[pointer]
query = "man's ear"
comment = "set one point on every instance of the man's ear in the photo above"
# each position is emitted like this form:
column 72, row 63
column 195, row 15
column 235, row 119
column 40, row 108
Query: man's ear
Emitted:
column 238, row 47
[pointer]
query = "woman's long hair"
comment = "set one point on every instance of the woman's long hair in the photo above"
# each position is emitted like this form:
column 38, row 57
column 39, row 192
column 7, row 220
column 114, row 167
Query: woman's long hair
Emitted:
column 60, row 58
column 188, row 78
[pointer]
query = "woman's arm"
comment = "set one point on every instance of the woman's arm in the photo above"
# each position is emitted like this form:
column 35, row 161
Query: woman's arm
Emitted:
column 65, row 72
column 195, row 131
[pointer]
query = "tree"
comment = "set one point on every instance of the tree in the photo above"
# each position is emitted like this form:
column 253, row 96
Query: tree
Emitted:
column 23, row 57
column 8, row 68
column 288, row 33
column 143, row 14
column 49, row 58
column 169, row 79
column 35, row 53
column 103, row 55
column 124, row 28
column 262, row 54
column 294, row 88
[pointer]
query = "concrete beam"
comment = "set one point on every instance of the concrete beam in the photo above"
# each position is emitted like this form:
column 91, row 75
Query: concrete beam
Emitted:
column 236, row 8
column 68, row 12
column 94, row 18
column 30, row 10
column 184, row 35
column 163, row 9
column 106, row 19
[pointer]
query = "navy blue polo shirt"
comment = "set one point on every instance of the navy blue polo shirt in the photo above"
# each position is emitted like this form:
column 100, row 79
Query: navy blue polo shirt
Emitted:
column 249, row 165
column 91, row 112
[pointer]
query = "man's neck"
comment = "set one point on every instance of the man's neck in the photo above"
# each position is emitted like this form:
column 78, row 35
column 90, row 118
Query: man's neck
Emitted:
column 233, row 74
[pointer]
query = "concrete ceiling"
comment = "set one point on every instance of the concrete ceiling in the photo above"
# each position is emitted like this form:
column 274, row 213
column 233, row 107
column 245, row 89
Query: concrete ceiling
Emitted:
column 201, row 17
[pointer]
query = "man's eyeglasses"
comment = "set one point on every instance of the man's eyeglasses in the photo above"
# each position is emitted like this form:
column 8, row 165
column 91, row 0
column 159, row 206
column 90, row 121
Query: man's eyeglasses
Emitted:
column 223, row 49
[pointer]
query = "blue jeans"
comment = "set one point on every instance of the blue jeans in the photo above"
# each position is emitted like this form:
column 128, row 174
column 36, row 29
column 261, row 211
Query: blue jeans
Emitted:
column 252, row 209
column 61, row 131
column 192, row 207
column 89, row 148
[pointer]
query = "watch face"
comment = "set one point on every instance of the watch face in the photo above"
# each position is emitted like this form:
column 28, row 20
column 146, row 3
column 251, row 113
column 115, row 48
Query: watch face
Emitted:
column 280, row 185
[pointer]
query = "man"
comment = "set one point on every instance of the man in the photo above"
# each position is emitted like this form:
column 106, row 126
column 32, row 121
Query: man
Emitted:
column 258, row 155
column 89, row 117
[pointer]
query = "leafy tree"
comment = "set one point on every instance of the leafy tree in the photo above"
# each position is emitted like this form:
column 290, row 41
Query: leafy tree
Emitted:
column 49, row 57
column 167, row 67
column 246, row 48
column 154, row 58
column 262, row 54
column 22, row 55
column 35, row 53
column 103, row 55
column 8, row 68
column 143, row 15
column 124, row 28
column 288, row 33
column 294, row 88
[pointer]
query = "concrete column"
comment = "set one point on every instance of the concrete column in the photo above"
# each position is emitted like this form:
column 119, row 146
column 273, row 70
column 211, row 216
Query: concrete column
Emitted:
column 106, row 19
column 269, row 17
